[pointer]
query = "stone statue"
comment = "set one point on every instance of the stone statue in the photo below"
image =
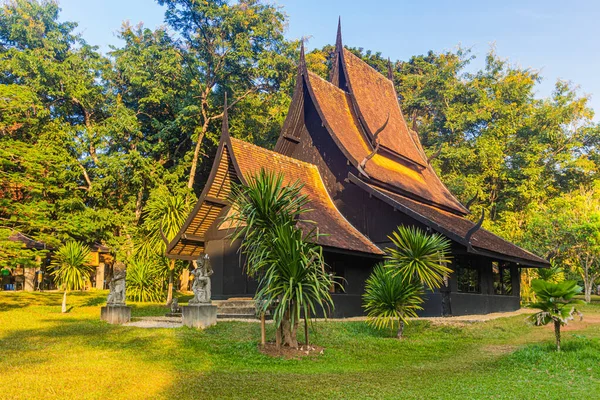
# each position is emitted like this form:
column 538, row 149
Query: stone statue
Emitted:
column 175, row 306
column 116, row 296
column 201, row 286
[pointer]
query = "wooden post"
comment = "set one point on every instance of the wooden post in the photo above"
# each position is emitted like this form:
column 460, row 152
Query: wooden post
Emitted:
column 100, row 276
column 306, row 330
column 263, row 333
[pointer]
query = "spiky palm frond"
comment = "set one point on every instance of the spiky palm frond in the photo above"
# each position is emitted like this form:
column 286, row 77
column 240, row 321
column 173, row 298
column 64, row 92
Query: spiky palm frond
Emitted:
column 419, row 256
column 71, row 265
column 389, row 298
column 145, row 281
column 287, row 262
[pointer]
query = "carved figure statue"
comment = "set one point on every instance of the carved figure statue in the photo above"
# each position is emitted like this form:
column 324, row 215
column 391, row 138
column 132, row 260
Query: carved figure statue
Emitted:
column 201, row 286
column 116, row 296
column 175, row 306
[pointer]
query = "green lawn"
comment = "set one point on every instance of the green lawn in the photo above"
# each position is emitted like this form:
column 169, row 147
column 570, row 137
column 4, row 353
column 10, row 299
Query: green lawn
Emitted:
column 45, row 354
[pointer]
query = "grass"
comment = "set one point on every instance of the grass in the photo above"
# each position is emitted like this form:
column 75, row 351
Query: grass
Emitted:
column 46, row 354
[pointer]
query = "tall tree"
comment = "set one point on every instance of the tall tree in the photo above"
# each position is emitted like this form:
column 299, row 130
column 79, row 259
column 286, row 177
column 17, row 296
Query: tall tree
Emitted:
column 567, row 230
column 236, row 48
column 53, row 103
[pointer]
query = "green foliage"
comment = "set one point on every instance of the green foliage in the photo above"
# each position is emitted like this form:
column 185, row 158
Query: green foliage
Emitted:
column 71, row 266
column 419, row 256
column 287, row 261
column 164, row 214
column 567, row 230
column 389, row 298
column 144, row 281
column 85, row 141
column 554, row 274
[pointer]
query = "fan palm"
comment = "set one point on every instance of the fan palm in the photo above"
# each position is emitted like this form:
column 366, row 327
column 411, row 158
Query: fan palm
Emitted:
column 389, row 298
column 557, row 304
column 287, row 262
column 419, row 256
column 71, row 268
column 144, row 281
column 164, row 214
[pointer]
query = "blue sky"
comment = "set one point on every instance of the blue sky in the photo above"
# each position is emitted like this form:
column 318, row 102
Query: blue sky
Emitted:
column 561, row 39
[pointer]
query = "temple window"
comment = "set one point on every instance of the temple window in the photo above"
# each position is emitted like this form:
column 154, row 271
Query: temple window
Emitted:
column 467, row 278
column 502, row 278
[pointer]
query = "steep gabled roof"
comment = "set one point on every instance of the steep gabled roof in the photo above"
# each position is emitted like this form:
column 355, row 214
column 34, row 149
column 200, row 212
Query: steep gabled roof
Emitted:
column 338, row 114
column 236, row 161
column 376, row 100
column 455, row 227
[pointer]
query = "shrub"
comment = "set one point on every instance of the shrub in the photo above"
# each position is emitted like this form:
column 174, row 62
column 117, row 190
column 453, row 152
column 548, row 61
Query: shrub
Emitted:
column 144, row 281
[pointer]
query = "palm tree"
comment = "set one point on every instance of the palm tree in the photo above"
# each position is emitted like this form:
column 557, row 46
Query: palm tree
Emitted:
column 71, row 268
column 164, row 214
column 388, row 298
column 557, row 304
column 144, row 281
column 419, row 256
column 286, row 261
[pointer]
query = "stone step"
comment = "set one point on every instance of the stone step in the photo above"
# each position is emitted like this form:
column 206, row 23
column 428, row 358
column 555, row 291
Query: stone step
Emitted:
column 236, row 310
column 235, row 303
column 237, row 316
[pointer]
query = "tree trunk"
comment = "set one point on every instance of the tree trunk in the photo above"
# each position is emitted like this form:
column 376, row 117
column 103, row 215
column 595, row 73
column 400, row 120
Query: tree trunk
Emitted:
column 185, row 280
column 306, row 330
column 588, row 290
column 263, row 333
column 400, row 328
column 170, row 288
column 64, row 302
column 278, row 336
column 197, row 155
column 557, row 334
column 290, row 337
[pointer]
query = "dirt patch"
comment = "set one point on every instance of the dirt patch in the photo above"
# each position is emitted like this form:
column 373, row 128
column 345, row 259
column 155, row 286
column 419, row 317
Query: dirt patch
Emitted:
column 290, row 353
column 576, row 324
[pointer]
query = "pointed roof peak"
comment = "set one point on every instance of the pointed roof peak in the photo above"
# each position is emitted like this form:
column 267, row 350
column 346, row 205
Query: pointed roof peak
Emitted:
column 338, row 39
column 302, row 61
column 225, row 126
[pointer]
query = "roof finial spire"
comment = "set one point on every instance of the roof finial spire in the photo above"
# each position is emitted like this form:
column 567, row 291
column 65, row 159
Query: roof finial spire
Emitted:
column 225, row 126
column 338, row 39
column 302, row 61
column 389, row 71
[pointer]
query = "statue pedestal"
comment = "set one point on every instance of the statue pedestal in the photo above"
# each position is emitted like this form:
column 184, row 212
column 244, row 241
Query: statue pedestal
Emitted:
column 200, row 315
column 115, row 314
